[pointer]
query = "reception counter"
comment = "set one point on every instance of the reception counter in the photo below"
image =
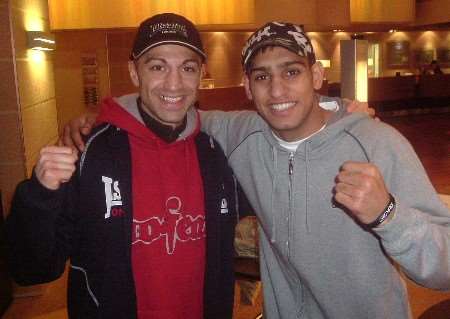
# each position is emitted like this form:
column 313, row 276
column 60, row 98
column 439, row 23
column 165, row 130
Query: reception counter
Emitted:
column 405, row 92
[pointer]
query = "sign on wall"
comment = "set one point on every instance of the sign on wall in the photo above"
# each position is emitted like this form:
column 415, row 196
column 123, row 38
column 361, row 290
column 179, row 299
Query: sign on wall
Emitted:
column 398, row 54
column 423, row 57
column 89, row 71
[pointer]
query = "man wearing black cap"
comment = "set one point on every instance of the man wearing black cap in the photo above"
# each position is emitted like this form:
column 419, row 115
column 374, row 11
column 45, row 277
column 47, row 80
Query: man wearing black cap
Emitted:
column 146, row 215
column 342, row 200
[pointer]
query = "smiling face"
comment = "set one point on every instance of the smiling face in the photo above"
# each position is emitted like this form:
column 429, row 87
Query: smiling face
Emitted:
column 281, row 84
column 168, row 78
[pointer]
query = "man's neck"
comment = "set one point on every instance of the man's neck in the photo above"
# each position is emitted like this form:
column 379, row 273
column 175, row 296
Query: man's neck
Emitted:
column 166, row 132
column 315, row 123
column 292, row 145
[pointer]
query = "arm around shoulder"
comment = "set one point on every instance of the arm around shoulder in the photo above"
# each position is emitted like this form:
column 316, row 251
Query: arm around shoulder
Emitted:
column 229, row 128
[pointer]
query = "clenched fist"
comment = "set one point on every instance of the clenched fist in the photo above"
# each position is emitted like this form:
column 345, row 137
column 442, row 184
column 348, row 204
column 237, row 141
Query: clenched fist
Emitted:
column 360, row 188
column 55, row 166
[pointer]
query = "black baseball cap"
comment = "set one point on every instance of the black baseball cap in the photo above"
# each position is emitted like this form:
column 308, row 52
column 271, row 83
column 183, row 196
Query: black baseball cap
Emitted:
column 166, row 28
column 286, row 35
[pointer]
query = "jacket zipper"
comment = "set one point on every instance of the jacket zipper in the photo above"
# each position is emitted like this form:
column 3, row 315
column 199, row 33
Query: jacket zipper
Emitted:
column 291, row 174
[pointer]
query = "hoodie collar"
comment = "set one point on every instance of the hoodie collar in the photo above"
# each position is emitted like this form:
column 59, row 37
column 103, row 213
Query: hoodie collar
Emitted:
column 165, row 132
column 338, row 122
column 123, row 113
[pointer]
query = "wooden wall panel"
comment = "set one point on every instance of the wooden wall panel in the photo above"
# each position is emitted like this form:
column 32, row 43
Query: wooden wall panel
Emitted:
column 88, row 14
column 119, row 48
column 70, row 47
column 432, row 11
column 378, row 11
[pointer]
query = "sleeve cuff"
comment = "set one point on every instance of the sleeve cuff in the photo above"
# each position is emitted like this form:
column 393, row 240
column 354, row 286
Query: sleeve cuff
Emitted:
column 394, row 234
column 37, row 195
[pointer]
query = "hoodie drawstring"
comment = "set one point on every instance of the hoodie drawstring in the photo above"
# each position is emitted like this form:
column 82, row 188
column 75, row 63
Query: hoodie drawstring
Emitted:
column 307, row 147
column 291, row 201
column 274, row 182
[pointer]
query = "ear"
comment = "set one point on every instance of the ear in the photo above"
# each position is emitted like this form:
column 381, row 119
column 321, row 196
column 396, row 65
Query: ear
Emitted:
column 318, row 72
column 133, row 73
column 248, row 92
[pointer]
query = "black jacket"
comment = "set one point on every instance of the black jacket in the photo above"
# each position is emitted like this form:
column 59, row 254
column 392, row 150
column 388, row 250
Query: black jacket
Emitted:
column 46, row 228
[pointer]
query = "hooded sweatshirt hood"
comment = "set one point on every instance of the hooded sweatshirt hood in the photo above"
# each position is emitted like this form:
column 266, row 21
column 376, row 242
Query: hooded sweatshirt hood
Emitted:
column 123, row 113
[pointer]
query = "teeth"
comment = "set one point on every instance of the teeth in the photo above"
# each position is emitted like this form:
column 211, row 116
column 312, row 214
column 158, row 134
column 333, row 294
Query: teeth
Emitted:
column 282, row 106
column 171, row 99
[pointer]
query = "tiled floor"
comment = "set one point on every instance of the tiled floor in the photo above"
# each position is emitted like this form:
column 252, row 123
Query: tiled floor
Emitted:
column 430, row 136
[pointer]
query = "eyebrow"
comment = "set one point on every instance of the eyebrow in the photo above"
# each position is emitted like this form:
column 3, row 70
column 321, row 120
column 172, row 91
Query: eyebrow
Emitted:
column 282, row 65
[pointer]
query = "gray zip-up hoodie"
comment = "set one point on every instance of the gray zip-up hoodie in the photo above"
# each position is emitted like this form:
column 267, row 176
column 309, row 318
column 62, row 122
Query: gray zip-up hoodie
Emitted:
column 316, row 260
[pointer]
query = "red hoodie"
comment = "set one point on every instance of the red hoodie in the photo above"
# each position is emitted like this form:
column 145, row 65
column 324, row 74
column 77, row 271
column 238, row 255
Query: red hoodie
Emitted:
column 168, row 235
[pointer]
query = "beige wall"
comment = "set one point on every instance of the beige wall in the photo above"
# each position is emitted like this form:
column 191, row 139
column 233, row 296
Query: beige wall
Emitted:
column 28, row 118
column 35, row 79
column 224, row 56
column 28, row 115
column 12, row 159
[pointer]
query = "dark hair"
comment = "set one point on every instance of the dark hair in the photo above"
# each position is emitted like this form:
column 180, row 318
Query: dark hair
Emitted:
column 250, row 60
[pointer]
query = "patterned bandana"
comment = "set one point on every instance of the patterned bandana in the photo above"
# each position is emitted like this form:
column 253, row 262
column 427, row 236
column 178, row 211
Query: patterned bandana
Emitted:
column 286, row 35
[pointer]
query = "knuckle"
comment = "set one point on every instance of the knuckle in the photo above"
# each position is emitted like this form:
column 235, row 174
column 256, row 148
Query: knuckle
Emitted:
column 366, row 184
column 45, row 165
column 370, row 170
column 48, row 175
column 340, row 187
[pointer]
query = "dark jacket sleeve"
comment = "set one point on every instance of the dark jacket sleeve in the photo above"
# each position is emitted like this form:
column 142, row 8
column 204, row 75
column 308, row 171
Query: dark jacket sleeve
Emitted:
column 39, row 231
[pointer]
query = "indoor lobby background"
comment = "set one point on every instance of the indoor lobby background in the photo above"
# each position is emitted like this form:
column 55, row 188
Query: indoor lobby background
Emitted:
column 41, row 90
